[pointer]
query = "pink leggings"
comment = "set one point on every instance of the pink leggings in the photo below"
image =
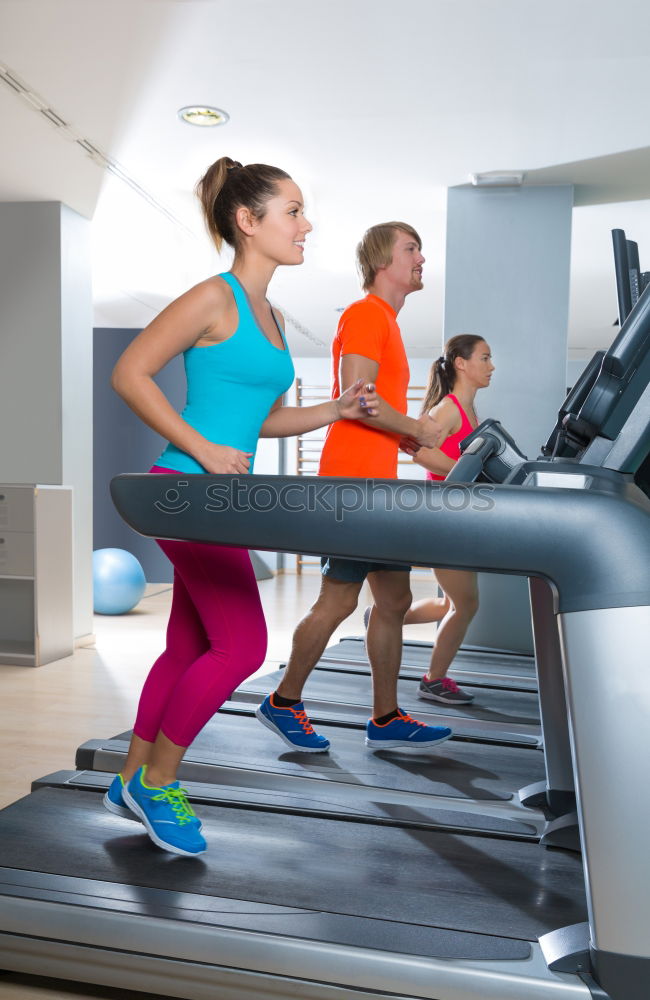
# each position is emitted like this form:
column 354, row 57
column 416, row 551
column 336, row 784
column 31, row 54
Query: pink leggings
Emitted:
column 216, row 638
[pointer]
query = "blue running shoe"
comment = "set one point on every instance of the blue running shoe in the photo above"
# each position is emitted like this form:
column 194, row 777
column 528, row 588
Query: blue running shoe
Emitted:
column 167, row 815
column 405, row 733
column 114, row 802
column 292, row 726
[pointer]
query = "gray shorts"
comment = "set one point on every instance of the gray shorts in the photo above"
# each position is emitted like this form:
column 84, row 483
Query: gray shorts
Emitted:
column 355, row 570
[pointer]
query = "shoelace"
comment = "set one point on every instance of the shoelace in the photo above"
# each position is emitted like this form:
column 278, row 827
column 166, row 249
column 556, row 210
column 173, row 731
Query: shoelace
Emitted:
column 407, row 718
column 301, row 718
column 177, row 799
column 450, row 685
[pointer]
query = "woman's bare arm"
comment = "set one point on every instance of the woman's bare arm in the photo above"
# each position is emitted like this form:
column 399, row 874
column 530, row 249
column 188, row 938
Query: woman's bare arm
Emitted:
column 178, row 327
column 433, row 459
column 357, row 403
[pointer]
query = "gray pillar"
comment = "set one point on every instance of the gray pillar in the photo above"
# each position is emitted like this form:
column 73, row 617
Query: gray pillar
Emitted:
column 46, row 369
column 507, row 279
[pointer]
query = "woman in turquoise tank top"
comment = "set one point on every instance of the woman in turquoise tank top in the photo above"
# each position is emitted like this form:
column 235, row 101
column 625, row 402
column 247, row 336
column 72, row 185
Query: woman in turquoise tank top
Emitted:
column 238, row 367
column 464, row 368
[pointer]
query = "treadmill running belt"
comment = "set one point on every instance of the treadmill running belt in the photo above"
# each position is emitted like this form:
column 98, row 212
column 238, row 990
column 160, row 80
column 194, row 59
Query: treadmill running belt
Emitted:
column 468, row 668
column 456, row 769
column 332, row 801
column 467, row 883
column 505, row 708
column 483, row 661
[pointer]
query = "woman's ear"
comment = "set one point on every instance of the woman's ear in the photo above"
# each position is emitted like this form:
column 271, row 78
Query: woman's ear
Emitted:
column 245, row 220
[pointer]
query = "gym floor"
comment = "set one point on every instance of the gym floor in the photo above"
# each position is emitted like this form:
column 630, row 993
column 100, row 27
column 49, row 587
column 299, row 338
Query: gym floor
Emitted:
column 46, row 712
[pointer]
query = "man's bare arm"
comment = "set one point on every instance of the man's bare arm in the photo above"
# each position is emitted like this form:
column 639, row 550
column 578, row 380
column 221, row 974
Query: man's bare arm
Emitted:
column 426, row 431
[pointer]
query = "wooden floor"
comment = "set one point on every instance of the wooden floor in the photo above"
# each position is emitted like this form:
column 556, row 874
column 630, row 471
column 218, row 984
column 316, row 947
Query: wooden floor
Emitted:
column 46, row 712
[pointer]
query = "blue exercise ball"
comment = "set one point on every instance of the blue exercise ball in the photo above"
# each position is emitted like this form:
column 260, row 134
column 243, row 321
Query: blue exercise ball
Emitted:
column 118, row 581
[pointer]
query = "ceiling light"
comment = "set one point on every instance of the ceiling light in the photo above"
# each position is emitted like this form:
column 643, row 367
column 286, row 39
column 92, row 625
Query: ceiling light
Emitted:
column 203, row 115
column 498, row 178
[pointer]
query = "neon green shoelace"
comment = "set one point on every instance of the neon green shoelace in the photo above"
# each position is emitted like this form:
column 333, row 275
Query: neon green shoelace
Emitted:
column 177, row 799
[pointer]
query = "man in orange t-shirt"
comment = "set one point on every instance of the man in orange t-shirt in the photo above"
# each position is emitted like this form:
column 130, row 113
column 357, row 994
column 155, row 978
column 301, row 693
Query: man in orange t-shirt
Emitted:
column 367, row 330
column 368, row 345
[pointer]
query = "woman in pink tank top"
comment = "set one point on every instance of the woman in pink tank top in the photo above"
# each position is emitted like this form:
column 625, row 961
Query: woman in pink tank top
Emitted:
column 464, row 368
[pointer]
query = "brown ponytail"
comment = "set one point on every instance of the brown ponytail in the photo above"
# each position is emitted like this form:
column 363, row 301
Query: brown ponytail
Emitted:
column 226, row 186
column 442, row 377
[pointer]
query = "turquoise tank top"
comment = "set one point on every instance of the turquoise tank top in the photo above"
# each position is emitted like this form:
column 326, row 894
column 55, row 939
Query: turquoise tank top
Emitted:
column 231, row 386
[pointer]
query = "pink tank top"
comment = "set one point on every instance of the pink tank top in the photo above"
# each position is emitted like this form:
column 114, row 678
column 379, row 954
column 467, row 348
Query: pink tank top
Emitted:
column 451, row 445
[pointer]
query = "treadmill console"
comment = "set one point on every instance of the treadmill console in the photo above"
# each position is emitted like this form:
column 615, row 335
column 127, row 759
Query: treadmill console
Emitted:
column 570, row 436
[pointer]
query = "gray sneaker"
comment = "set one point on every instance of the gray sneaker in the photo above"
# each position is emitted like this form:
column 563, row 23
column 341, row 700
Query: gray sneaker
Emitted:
column 444, row 690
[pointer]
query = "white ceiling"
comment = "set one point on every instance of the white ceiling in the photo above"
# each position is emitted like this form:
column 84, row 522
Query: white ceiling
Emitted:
column 375, row 107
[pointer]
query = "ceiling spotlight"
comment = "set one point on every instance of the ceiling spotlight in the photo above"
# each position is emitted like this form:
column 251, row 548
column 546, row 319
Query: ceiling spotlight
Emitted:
column 498, row 178
column 203, row 115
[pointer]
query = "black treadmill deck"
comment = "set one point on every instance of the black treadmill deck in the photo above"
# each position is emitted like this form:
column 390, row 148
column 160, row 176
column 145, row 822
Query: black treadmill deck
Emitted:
column 457, row 769
column 503, row 714
column 375, row 886
column 418, row 655
column 475, row 668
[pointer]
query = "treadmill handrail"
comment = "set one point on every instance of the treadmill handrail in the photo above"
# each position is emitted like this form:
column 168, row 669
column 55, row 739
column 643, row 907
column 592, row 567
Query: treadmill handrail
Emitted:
column 474, row 456
column 590, row 546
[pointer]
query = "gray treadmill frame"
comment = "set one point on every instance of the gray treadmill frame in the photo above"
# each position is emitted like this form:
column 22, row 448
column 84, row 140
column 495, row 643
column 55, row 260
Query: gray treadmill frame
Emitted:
column 124, row 950
column 609, row 583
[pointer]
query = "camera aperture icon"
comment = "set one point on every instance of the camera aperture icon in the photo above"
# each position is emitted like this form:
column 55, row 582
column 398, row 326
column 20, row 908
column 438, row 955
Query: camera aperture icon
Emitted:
column 172, row 502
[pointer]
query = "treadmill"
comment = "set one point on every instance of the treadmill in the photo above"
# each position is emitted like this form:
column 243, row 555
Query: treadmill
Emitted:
column 288, row 901
column 295, row 901
column 480, row 666
column 476, row 781
column 500, row 716
column 473, row 666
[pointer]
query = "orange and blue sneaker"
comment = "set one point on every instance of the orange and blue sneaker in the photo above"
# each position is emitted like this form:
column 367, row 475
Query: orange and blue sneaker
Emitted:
column 292, row 726
column 114, row 801
column 167, row 815
column 405, row 733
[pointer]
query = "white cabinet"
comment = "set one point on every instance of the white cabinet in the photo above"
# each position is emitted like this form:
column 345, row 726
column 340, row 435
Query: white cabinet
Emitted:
column 36, row 624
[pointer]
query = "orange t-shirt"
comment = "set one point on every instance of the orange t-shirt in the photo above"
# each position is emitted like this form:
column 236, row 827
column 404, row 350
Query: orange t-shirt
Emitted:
column 353, row 447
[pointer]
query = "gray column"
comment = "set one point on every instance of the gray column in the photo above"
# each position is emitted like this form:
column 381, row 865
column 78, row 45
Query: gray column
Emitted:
column 46, row 365
column 507, row 279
